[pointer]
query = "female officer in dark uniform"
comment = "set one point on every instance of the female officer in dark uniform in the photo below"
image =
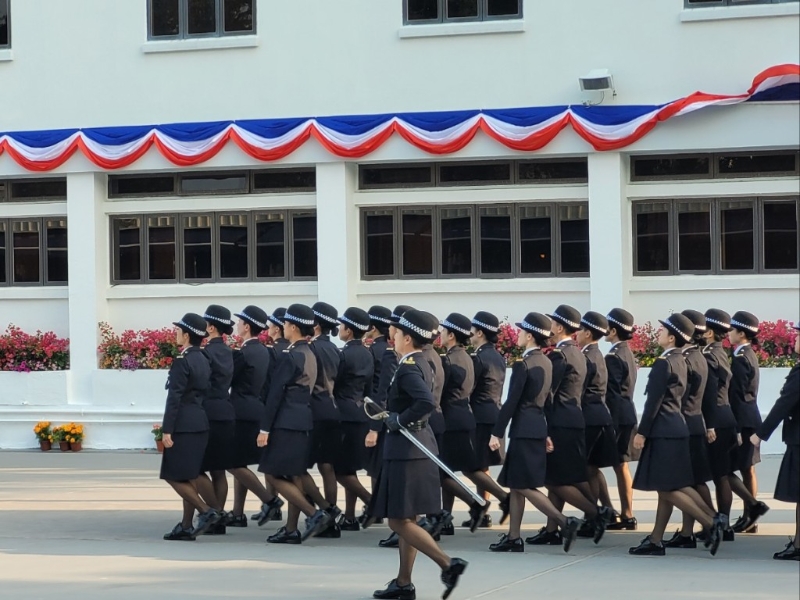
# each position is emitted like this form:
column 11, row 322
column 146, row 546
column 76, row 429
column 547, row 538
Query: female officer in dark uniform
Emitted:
column 185, row 426
column 409, row 481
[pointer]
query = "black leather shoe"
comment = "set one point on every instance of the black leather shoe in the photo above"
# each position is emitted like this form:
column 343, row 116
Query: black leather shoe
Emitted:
column 350, row 525
column 648, row 548
column 486, row 522
column 451, row 575
column 680, row 541
column 714, row 536
column 545, row 538
column 477, row 514
column 270, row 510
column 448, row 529
column 586, row 530
column 317, row 523
column 236, row 521
column 506, row 544
column 505, row 510
column 284, row 537
column 206, row 521
column 333, row 531
column 623, row 524
column 434, row 525
column 570, row 532
column 748, row 520
column 396, row 592
column 728, row 535
column 601, row 521
column 752, row 529
column 179, row 534
column 218, row 529
column 391, row 542
column 334, row 511
column 788, row 553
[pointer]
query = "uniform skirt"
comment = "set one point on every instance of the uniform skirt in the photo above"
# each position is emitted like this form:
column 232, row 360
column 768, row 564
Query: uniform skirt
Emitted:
column 746, row 455
column 375, row 457
column 407, row 488
column 326, row 443
column 601, row 446
column 286, row 454
column 525, row 466
column 246, row 451
column 352, row 455
column 485, row 456
column 220, row 450
column 701, row 465
column 625, row 450
column 458, row 451
column 787, row 488
column 184, row 461
column 665, row 465
column 566, row 464
column 720, row 452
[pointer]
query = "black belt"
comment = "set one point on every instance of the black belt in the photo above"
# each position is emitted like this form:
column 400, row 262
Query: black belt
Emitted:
column 417, row 425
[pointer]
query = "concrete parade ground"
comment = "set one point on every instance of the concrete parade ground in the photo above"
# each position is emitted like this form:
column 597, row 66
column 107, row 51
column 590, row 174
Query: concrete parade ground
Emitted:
column 89, row 526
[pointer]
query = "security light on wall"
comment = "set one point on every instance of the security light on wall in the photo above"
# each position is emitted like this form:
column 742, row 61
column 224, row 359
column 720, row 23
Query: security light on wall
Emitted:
column 597, row 80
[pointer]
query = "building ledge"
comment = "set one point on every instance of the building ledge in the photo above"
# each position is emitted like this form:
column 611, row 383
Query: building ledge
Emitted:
column 448, row 29
column 6, row 55
column 209, row 290
column 33, row 292
column 698, row 283
column 722, row 13
column 216, row 43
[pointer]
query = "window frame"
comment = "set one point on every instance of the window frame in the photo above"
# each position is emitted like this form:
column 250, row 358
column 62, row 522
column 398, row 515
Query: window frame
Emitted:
column 7, row 257
column 178, row 254
column 183, row 16
column 46, row 251
column 290, row 240
column 180, row 177
column 716, row 174
column 713, row 217
column 515, row 241
column 713, row 172
column 44, row 280
column 762, row 201
column 363, row 215
column 112, row 195
column 512, row 171
column 483, row 14
column 670, row 231
column 757, row 237
column 711, row 3
column 7, row 185
column 288, row 190
column 214, row 243
column 286, row 240
column 7, row 45
column 114, row 258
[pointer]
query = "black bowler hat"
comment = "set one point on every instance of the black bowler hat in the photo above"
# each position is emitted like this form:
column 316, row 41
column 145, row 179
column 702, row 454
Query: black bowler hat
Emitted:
column 458, row 323
column 486, row 321
column 325, row 314
column 679, row 326
column 398, row 312
column 619, row 318
column 567, row 316
column 420, row 325
column 697, row 318
column 192, row 323
column 356, row 318
column 254, row 316
column 219, row 317
column 276, row 318
column 536, row 323
column 745, row 321
column 299, row 314
column 718, row 320
column 379, row 316
column 596, row 322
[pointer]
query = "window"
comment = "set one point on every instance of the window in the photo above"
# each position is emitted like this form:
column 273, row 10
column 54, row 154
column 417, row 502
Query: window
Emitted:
column 486, row 241
column 453, row 11
column 719, row 235
column 706, row 3
column 226, row 246
column 180, row 19
column 5, row 26
column 33, row 251
column 53, row 189
column 715, row 166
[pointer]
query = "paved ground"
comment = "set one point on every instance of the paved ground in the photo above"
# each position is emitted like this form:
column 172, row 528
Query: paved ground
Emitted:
column 88, row 526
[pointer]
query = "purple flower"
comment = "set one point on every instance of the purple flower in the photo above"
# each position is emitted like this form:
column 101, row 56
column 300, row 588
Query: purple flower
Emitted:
column 129, row 363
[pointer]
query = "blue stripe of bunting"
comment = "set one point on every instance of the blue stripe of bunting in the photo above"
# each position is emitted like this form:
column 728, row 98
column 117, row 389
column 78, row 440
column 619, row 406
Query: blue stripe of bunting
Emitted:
column 612, row 115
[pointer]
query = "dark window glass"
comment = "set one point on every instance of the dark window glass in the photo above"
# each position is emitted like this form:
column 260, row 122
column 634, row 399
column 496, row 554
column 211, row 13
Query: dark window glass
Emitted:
column 3, row 28
column 502, row 7
column 553, row 171
column 2, row 191
column 202, row 17
column 780, row 235
column 285, row 180
column 161, row 248
column 197, row 250
column 574, row 222
column 270, row 245
column 304, row 232
column 460, row 9
column 736, row 220
column 26, row 242
column 129, row 245
column 417, row 243
column 756, row 163
column 233, row 251
column 379, row 231
column 3, row 236
column 482, row 173
column 164, row 17
column 238, row 15
column 214, row 184
column 50, row 189
column 56, row 250
column 423, row 10
column 535, row 235
column 149, row 185
column 495, row 240
column 456, row 236
column 694, row 236
column 652, row 237
column 691, row 166
column 396, row 176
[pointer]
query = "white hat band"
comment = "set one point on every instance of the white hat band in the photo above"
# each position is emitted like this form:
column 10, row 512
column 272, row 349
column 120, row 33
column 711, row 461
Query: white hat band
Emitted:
column 564, row 320
column 344, row 319
column 720, row 323
column 290, row 317
column 743, row 326
column 380, row 319
column 247, row 317
column 325, row 318
column 485, row 326
column 534, row 329
column 208, row 317
column 454, row 327
column 192, row 329
column 428, row 335
column 593, row 326
column 627, row 328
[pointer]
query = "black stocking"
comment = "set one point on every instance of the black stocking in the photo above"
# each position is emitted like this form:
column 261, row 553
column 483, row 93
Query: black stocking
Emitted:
column 416, row 537
column 329, row 483
column 516, row 503
column 486, row 483
column 312, row 491
column 293, row 492
column 206, row 490
column 187, row 491
column 545, row 506
column 724, row 495
column 219, row 480
column 246, row 480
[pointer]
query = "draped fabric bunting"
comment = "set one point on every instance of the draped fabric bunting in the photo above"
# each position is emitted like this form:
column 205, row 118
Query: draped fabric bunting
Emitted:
column 523, row 129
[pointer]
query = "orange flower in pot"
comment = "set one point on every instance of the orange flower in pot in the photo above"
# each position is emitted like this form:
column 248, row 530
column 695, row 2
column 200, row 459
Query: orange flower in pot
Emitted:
column 44, row 435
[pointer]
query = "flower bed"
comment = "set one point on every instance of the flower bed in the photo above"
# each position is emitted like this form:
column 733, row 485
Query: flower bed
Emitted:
column 23, row 352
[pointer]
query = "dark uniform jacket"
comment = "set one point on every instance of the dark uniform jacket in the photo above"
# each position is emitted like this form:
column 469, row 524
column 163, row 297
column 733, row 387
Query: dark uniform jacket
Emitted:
column 531, row 378
column 387, row 370
column 621, row 366
column 410, row 395
column 217, row 403
column 187, row 386
column 436, row 418
column 662, row 416
column 696, row 377
column 716, row 409
column 459, row 379
column 251, row 366
column 376, row 349
column 490, row 375
column 593, row 403
column 354, row 378
column 569, row 372
column 786, row 409
column 275, row 353
column 743, row 392
column 288, row 404
column 323, row 404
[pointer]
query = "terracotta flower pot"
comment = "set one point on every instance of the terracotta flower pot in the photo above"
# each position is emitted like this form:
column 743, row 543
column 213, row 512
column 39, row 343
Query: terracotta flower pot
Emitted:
column 63, row 446
column 45, row 445
column 160, row 446
column 76, row 446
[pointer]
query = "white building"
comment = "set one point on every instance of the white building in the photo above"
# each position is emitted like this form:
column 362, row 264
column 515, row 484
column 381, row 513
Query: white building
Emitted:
column 697, row 210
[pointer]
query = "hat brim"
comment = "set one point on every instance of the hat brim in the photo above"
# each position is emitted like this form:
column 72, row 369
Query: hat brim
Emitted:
column 186, row 329
column 674, row 331
column 593, row 327
column 563, row 321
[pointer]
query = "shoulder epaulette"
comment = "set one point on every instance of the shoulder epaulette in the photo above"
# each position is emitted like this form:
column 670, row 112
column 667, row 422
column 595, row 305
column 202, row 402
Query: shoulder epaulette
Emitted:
column 179, row 356
column 409, row 361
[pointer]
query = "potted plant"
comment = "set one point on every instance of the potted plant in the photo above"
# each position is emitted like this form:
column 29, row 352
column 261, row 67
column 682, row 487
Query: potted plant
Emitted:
column 60, row 438
column 74, row 435
column 158, row 435
column 44, row 434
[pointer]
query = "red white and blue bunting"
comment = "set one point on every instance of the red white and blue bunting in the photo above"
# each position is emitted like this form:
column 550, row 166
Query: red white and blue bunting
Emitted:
column 522, row 129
